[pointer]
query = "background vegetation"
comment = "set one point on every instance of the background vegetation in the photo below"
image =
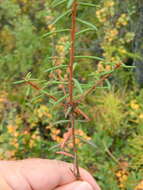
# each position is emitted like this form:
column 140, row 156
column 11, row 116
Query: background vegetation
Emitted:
column 34, row 44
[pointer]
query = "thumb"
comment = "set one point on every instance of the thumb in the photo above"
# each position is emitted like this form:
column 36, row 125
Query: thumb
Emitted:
column 77, row 185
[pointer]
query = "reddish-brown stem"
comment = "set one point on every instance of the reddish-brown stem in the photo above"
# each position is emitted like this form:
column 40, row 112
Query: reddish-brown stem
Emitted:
column 80, row 112
column 66, row 136
column 72, row 50
column 35, row 86
column 71, row 101
column 101, row 80
column 65, row 153
column 76, row 167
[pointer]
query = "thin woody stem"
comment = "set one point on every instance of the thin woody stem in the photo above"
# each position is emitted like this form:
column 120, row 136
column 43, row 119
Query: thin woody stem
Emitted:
column 35, row 86
column 71, row 101
column 72, row 50
column 76, row 167
column 101, row 80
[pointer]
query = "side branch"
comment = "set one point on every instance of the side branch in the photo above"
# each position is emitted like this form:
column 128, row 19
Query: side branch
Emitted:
column 101, row 80
column 35, row 86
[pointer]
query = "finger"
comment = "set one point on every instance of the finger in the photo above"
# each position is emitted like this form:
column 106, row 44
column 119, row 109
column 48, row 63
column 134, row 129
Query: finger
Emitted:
column 42, row 174
column 53, row 173
column 86, row 176
column 77, row 185
column 68, row 177
column 3, row 184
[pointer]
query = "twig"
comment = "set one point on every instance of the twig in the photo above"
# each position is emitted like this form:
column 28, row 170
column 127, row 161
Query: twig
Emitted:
column 65, row 154
column 72, row 50
column 76, row 166
column 35, row 86
column 101, row 80
column 80, row 112
column 71, row 102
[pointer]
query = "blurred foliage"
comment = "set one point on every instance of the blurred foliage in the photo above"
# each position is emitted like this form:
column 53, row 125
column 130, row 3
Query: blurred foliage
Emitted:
column 34, row 42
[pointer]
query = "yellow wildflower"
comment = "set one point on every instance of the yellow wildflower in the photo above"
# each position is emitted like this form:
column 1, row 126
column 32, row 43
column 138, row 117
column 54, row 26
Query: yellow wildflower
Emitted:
column 11, row 128
column 109, row 3
column 141, row 116
column 134, row 105
column 139, row 186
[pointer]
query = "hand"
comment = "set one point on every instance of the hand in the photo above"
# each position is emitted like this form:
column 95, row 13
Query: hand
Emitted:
column 42, row 174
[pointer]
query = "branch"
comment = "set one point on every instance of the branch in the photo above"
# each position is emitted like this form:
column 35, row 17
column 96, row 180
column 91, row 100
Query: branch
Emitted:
column 35, row 86
column 72, row 50
column 71, row 103
column 101, row 80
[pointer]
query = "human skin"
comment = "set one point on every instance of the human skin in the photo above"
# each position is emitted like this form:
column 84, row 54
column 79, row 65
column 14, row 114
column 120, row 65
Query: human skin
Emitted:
column 43, row 174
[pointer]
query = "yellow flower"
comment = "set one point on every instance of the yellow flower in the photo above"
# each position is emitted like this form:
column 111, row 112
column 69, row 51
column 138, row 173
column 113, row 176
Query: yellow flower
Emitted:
column 141, row 116
column 55, row 131
column 134, row 105
column 139, row 186
column 31, row 143
column 108, row 68
column 58, row 139
column 11, row 128
column 109, row 3
column 43, row 111
column 119, row 174
column 122, row 186
column 114, row 32
column 100, row 67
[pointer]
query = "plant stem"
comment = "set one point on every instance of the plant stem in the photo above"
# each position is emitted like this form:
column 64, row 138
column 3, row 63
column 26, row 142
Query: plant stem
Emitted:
column 72, row 50
column 71, row 102
column 76, row 167
column 99, row 82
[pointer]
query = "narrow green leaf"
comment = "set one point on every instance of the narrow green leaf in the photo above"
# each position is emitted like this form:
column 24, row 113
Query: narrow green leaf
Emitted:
column 54, row 68
column 61, row 121
column 81, row 121
column 60, row 100
column 108, row 84
column 45, row 92
column 78, row 85
column 87, row 4
column 70, row 2
column 74, row 66
column 54, row 82
column 57, row 3
column 51, row 101
column 57, row 31
column 54, row 146
column 36, row 98
column 60, row 17
column 89, row 57
column 52, row 57
column 87, row 141
column 84, row 30
column 106, row 72
column 28, row 91
column 28, row 76
column 19, row 82
column 86, row 23
column 128, row 67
